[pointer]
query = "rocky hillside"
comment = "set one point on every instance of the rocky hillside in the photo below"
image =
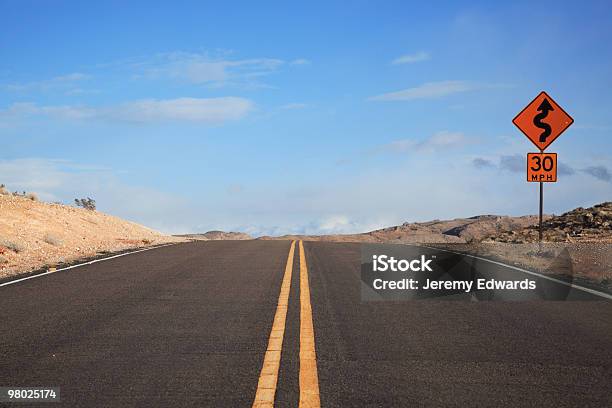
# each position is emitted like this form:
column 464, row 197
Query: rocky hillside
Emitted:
column 593, row 224
column 217, row 236
column 34, row 234
column 459, row 230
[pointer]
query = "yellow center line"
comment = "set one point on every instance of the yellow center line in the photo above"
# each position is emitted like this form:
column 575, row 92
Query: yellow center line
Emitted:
column 309, row 380
column 266, row 387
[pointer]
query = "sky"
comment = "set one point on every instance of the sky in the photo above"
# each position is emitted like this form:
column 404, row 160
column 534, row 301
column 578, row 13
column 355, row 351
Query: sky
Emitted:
column 313, row 117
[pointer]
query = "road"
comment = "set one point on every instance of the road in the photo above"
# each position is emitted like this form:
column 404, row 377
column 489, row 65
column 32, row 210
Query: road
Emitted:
column 248, row 323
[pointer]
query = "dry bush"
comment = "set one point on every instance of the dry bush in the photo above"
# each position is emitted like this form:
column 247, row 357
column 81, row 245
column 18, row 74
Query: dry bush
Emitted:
column 87, row 203
column 3, row 260
column 29, row 196
column 13, row 246
column 52, row 239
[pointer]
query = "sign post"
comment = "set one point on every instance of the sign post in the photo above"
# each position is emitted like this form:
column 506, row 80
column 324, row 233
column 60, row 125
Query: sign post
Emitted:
column 542, row 121
column 540, row 232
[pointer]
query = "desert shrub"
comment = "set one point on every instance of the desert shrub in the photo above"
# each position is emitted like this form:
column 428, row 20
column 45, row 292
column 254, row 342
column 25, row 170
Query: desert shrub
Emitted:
column 3, row 260
column 52, row 239
column 87, row 203
column 13, row 246
column 30, row 196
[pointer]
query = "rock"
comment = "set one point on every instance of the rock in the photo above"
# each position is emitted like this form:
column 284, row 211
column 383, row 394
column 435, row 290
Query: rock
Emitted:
column 594, row 223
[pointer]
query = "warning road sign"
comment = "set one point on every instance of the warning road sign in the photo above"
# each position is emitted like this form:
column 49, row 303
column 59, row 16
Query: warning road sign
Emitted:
column 542, row 167
column 543, row 121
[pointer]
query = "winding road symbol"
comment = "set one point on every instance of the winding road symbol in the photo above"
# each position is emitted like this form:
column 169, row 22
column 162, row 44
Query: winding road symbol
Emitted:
column 544, row 108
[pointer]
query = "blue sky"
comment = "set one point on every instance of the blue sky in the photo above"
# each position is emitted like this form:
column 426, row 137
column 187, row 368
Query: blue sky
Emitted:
column 321, row 117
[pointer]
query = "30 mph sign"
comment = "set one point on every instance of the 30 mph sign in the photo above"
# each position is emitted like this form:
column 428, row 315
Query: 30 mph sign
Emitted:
column 542, row 121
column 542, row 167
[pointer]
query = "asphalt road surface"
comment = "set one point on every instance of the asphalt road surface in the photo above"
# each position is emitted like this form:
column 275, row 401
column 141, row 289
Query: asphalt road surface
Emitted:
column 207, row 324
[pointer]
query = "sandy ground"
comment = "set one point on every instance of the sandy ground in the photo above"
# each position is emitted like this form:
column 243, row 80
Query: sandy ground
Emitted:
column 35, row 235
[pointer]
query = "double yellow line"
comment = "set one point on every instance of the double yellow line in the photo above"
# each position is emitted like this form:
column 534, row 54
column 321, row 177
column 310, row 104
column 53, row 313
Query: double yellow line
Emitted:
column 268, row 378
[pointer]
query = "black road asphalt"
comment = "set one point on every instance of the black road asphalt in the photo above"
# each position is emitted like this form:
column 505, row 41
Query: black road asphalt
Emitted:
column 188, row 325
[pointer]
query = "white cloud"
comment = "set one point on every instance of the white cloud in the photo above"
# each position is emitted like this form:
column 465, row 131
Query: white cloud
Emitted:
column 443, row 140
column 75, row 76
column 411, row 58
column 432, row 90
column 205, row 110
column 64, row 82
column 300, row 61
column 335, row 224
column 439, row 141
column 184, row 109
column 200, row 68
column 427, row 90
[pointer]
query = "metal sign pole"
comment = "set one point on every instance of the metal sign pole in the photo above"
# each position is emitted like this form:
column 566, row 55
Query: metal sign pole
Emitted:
column 541, row 208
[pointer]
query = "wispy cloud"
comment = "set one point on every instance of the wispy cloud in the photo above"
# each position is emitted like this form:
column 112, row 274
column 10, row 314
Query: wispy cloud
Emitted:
column 63, row 82
column 599, row 172
column 602, row 128
column 411, row 58
column 439, row 141
column 184, row 109
column 205, row 110
column 300, row 61
column 294, row 105
column 203, row 69
column 565, row 169
column 432, row 90
column 481, row 163
column 200, row 68
column 516, row 163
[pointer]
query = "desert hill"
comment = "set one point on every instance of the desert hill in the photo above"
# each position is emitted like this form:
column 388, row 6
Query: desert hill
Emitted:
column 459, row 230
column 35, row 234
column 217, row 235
column 578, row 225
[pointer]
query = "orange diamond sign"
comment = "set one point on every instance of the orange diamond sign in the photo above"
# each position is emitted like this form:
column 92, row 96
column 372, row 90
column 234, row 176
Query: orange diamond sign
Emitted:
column 543, row 121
